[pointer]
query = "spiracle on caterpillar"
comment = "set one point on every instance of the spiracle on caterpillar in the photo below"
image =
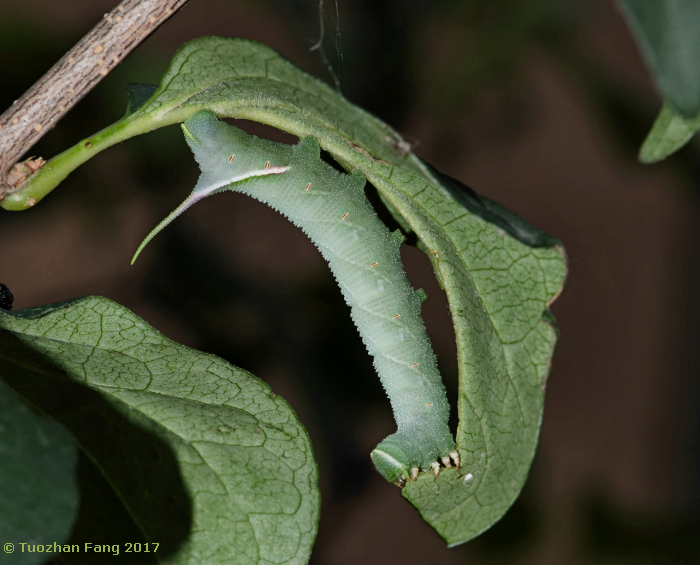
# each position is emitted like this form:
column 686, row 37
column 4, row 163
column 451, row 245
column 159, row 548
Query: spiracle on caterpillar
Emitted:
column 384, row 306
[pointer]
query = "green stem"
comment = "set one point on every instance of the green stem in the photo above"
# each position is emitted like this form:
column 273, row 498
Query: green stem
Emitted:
column 55, row 170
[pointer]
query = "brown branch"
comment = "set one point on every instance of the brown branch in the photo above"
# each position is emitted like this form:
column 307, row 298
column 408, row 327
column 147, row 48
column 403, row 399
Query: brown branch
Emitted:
column 78, row 71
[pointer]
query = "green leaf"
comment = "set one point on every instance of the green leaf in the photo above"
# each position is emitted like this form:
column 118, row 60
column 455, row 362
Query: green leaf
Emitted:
column 670, row 132
column 669, row 37
column 139, row 93
column 178, row 448
column 500, row 275
column 498, row 289
column 38, row 489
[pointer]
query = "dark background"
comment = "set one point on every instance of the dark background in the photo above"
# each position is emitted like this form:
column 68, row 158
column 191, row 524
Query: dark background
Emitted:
column 540, row 105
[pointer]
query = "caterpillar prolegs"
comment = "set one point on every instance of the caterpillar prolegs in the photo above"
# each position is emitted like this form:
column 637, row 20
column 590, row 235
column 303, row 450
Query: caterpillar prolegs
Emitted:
column 332, row 209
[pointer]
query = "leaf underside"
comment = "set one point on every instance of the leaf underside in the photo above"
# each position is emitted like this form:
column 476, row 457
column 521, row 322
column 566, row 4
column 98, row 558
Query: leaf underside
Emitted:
column 498, row 287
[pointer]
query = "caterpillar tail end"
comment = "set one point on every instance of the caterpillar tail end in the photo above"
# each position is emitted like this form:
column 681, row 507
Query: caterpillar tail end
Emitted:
column 174, row 214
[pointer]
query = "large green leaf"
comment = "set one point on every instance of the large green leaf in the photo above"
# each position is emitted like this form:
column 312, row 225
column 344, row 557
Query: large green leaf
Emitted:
column 499, row 274
column 178, row 447
column 668, row 35
column 38, row 490
column 498, row 289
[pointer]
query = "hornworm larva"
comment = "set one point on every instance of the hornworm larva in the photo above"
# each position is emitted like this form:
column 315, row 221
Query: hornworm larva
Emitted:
column 364, row 257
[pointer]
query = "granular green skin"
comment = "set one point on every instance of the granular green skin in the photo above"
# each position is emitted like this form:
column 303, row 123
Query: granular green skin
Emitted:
column 332, row 209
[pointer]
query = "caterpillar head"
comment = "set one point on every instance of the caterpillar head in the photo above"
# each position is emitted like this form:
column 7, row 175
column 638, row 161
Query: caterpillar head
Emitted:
column 392, row 461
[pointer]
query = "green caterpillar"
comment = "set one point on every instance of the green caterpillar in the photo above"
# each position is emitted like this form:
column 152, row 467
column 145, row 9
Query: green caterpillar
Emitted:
column 332, row 209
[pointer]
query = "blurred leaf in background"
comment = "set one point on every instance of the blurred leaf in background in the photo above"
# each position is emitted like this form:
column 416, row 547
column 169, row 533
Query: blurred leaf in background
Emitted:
column 668, row 34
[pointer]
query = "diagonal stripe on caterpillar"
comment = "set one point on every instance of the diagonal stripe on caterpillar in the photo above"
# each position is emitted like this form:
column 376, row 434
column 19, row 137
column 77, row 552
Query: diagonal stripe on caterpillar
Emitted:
column 332, row 209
